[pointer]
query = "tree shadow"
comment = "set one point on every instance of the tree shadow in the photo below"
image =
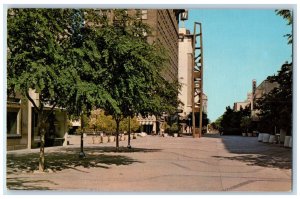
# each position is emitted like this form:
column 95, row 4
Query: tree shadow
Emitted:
column 252, row 152
column 112, row 149
column 23, row 184
column 68, row 158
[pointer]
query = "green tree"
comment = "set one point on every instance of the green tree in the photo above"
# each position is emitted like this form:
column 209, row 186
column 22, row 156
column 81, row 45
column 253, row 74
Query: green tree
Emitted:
column 134, row 80
column 245, row 123
column 276, row 106
column 230, row 121
column 134, row 124
column 37, row 41
column 52, row 52
column 287, row 15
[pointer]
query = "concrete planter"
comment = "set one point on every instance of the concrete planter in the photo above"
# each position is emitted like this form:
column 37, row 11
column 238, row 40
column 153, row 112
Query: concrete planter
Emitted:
column 244, row 134
column 260, row 137
column 287, row 141
column 254, row 133
column 249, row 134
column 104, row 139
column 111, row 138
column 134, row 136
column 266, row 137
column 175, row 135
column 282, row 136
column 97, row 140
column 272, row 139
column 291, row 142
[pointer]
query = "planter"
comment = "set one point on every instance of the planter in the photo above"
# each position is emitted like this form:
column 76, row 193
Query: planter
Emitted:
column 111, row 138
column 175, row 135
column 243, row 134
column 134, row 136
column 291, row 142
column 287, row 141
column 249, row 134
column 266, row 137
column 104, row 139
column 282, row 136
column 97, row 140
column 254, row 133
column 272, row 139
column 260, row 137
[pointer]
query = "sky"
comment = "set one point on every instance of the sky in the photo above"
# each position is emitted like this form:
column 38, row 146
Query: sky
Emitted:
column 239, row 45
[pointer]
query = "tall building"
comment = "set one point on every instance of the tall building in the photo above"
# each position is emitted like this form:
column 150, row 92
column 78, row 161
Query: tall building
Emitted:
column 185, row 70
column 164, row 26
column 164, row 31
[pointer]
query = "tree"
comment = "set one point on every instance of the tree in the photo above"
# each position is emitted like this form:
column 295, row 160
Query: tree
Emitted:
column 134, row 124
column 245, row 123
column 276, row 106
column 287, row 15
column 51, row 52
column 37, row 41
column 133, row 80
column 231, row 121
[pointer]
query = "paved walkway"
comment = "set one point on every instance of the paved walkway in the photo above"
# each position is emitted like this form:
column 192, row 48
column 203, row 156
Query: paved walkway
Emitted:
column 158, row 164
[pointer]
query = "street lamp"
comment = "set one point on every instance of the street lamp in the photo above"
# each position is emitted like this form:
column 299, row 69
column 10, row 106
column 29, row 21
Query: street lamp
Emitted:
column 82, row 154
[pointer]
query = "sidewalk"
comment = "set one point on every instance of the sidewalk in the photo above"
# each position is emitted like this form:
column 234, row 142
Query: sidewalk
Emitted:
column 158, row 164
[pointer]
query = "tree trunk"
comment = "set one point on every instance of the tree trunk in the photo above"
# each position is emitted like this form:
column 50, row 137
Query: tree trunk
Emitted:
column 117, row 135
column 42, row 131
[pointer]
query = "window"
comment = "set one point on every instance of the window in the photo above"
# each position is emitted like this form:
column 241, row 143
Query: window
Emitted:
column 13, row 123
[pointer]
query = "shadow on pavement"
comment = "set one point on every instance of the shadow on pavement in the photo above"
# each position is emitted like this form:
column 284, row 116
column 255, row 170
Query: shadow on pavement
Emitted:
column 249, row 150
column 23, row 184
column 68, row 158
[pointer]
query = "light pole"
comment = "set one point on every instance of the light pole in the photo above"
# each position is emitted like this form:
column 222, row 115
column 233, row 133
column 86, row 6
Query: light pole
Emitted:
column 82, row 154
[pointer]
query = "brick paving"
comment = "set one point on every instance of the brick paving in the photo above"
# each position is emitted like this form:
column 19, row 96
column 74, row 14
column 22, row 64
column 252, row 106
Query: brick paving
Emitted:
column 157, row 164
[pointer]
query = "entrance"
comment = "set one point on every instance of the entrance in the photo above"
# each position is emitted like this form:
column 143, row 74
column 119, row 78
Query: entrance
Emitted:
column 148, row 128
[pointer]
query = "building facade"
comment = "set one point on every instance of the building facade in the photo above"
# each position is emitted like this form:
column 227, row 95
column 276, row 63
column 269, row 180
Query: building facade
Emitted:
column 264, row 88
column 164, row 26
column 21, row 124
column 185, row 71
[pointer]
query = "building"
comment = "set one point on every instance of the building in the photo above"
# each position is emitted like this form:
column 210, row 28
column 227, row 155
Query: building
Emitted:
column 164, row 25
column 185, row 70
column 21, row 125
column 264, row 88
column 185, row 77
column 237, row 106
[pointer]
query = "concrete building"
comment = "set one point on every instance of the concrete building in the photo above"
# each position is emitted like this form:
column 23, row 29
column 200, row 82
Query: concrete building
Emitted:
column 264, row 88
column 237, row 106
column 21, row 124
column 165, row 31
column 185, row 70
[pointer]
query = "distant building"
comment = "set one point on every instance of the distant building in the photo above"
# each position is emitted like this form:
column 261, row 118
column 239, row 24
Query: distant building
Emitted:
column 264, row 88
column 237, row 106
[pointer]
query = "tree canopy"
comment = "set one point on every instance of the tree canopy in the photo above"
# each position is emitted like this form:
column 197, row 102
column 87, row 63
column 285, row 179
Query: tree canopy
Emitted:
column 276, row 106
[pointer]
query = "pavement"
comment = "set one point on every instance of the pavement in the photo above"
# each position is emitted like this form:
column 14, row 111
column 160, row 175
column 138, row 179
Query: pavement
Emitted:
column 156, row 164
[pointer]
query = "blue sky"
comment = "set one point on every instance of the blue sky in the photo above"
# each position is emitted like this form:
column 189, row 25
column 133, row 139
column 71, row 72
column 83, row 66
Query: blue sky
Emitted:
column 239, row 45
